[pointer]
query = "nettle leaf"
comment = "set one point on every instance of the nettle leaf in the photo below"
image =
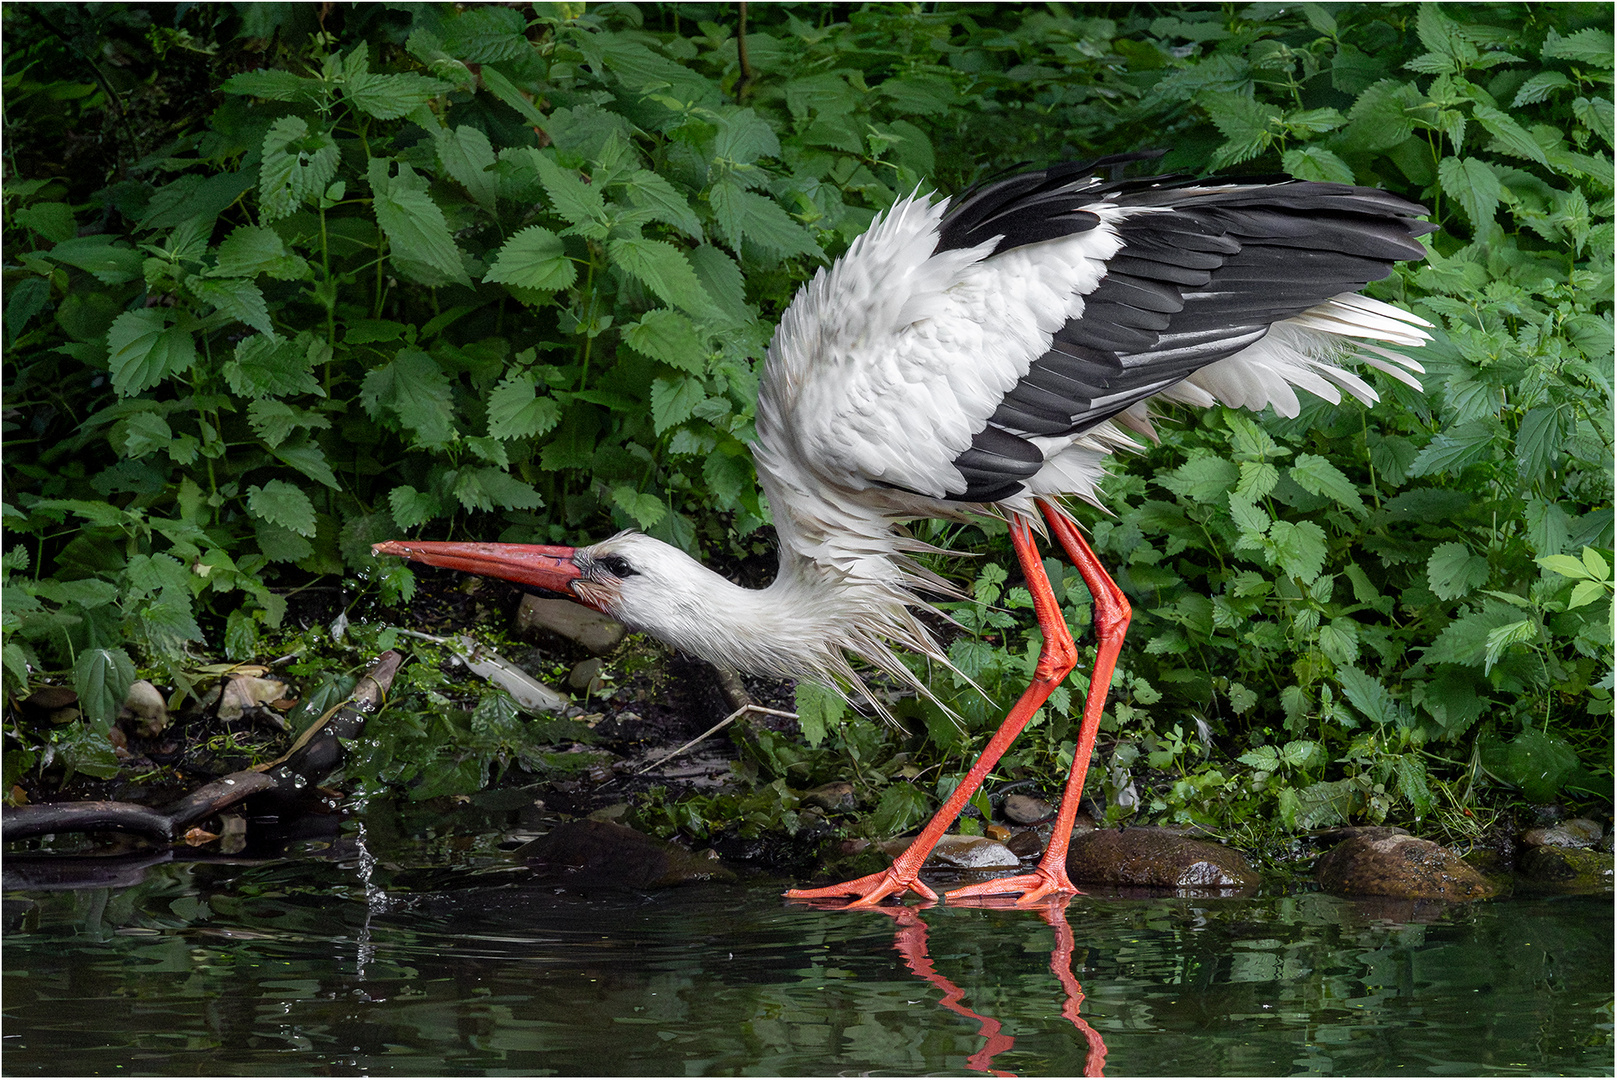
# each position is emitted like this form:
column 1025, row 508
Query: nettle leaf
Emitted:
column 1204, row 479
column 652, row 193
column 645, row 508
column 663, row 269
column 1453, row 571
column 252, row 250
column 534, row 258
column 1452, row 450
column 273, row 420
column 265, row 367
column 297, row 165
column 1538, row 441
column 1591, row 46
column 743, row 138
column 666, row 335
column 1299, row 548
column 143, row 433
column 102, row 678
column 417, row 391
column 485, row 487
column 1538, row 88
column 578, row 202
column 1464, row 641
column 1248, row 126
column 274, row 85
column 468, row 156
column 388, row 97
column 1500, row 638
column 1258, row 479
column 236, row 297
column 743, row 214
column 111, row 263
column 144, row 350
column 1512, row 138
column 283, row 504
column 1473, row 184
column 674, row 400
column 818, row 708
column 1317, row 476
column 1316, row 163
column 306, row 457
column 727, row 476
column 421, row 242
column 515, row 411
column 412, row 508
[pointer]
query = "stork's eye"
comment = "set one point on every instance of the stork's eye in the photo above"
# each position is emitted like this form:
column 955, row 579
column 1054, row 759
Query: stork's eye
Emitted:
column 617, row 566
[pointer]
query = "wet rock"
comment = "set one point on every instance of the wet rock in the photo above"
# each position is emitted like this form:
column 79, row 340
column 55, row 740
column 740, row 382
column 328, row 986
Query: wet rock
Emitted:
column 604, row 853
column 1566, row 867
column 48, row 699
column 1027, row 810
column 999, row 833
column 1155, row 857
column 144, row 705
column 1026, row 844
column 586, row 675
column 836, row 796
column 1400, row 866
column 591, row 629
column 973, row 853
column 1577, row 833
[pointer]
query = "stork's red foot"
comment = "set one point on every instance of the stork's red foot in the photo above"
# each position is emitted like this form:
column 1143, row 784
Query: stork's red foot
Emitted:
column 870, row 890
column 1029, row 889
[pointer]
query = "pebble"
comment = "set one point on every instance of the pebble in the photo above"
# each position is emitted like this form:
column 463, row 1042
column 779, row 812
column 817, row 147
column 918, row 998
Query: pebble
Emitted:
column 591, row 629
column 1575, row 833
column 1026, row 809
column 586, row 675
column 973, row 853
column 836, row 796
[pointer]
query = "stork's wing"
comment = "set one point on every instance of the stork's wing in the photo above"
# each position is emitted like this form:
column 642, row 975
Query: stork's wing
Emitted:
column 1203, row 273
column 943, row 351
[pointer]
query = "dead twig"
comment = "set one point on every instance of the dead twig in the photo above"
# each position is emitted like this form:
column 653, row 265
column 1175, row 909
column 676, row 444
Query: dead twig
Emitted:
column 715, row 729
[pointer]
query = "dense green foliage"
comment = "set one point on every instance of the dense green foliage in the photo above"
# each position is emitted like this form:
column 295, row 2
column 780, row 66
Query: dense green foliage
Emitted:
column 457, row 273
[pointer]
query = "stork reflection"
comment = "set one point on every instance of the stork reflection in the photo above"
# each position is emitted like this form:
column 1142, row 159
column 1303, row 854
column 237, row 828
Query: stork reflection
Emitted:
column 910, row 941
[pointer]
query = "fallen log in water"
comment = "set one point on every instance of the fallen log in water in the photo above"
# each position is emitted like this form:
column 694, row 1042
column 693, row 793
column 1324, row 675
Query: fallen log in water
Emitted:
column 286, row 783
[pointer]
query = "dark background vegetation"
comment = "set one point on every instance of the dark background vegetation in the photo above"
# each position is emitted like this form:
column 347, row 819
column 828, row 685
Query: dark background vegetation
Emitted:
column 282, row 280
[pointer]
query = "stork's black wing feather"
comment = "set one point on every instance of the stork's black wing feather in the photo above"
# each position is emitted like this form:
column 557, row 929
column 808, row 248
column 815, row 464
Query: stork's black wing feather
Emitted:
column 1194, row 283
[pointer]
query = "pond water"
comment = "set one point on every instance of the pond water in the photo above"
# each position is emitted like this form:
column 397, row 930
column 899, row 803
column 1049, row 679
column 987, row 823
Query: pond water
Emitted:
column 340, row 963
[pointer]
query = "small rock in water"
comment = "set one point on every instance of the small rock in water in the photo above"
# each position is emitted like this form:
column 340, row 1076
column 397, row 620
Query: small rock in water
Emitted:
column 973, row 853
column 1578, row 832
column 1567, row 867
column 1000, row 833
column 1027, row 810
column 1155, row 857
column 1400, row 866
column 145, row 704
column 591, row 629
column 604, row 853
column 1026, row 844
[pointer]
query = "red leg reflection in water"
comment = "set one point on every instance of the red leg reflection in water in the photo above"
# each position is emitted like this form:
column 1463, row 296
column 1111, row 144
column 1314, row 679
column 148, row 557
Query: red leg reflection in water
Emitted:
column 1054, row 912
column 909, row 938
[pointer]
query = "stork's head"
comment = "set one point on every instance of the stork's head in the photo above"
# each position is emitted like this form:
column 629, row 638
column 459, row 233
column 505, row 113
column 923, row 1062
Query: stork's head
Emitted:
column 642, row 582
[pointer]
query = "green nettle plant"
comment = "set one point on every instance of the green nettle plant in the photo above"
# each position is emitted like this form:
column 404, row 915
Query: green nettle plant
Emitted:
column 462, row 272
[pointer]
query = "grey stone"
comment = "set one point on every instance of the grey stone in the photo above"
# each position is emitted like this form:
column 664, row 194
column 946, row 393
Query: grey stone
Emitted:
column 1026, row 809
column 586, row 675
column 973, row 853
column 1406, row 867
column 1577, row 832
column 1155, row 857
column 591, row 629
column 838, row 795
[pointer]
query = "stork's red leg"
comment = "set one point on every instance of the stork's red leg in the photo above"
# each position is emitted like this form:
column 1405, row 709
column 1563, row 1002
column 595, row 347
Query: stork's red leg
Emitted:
column 1056, row 659
column 1112, row 615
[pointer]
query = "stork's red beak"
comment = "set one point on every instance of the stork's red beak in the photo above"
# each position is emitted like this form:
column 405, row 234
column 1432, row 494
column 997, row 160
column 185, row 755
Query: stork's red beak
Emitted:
column 541, row 565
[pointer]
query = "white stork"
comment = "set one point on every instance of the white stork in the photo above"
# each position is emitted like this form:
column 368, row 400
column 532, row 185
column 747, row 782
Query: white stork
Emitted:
column 985, row 357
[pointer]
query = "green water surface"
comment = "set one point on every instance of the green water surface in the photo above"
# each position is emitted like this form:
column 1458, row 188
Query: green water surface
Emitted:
column 351, row 966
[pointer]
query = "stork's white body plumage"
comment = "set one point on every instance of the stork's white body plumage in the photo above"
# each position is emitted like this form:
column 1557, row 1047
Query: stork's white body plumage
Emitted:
column 987, row 357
